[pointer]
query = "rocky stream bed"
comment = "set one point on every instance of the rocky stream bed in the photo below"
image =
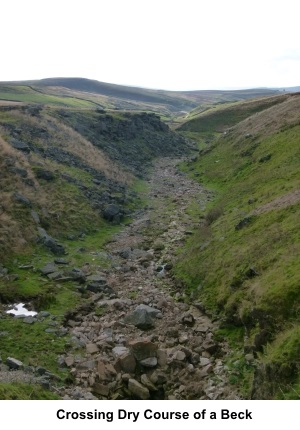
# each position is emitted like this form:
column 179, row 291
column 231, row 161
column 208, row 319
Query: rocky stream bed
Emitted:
column 137, row 338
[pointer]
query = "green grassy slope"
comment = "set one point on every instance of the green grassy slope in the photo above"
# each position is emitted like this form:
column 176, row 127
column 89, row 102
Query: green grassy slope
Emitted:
column 245, row 254
column 220, row 117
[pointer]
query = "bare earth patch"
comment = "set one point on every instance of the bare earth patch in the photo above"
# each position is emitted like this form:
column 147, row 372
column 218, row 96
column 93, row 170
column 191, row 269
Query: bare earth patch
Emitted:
column 279, row 203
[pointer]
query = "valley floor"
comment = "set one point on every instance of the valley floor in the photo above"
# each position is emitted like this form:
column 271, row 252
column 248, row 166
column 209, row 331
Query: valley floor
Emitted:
column 140, row 339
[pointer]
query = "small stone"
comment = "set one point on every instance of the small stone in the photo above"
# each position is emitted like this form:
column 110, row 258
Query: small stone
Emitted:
column 149, row 362
column 204, row 361
column 127, row 363
column 29, row 320
column 138, row 390
column 100, row 389
column 86, row 365
column 143, row 348
column 162, row 303
column 206, row 370
column 44, row 314
column 249, row 358
column 183, row 339
column 179, row 355
column 188, row 320
column 201, row 328
column 69, row 360
column 161, row 358
column 118, row 351
column 92, row 348
column 61, row 261
column 103, row 374
column 147, row 383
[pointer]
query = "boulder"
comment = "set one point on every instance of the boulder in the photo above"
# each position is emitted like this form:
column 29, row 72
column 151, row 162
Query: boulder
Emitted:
column 140, row 318
column 76, row 275
column 113, row 213
column 48, row 268
column 50, row 243
column 143, row 317
column 13, row 363
column 143, row 349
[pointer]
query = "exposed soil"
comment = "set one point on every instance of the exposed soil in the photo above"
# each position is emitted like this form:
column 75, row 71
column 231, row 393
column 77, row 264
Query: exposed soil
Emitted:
column 281, row 202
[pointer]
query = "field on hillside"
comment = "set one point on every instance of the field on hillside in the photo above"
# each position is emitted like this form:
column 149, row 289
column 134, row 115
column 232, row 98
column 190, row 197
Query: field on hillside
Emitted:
column 85, row 93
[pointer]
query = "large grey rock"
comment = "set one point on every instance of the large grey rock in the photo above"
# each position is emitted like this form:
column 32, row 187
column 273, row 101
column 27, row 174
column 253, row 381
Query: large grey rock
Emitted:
column 140, row 319
column 143, row 317
column 76, row 275
column 113, row 213
column 138, row 390
column 48, row 268
column 13, row 363
column 50, row 243
column 150, row 310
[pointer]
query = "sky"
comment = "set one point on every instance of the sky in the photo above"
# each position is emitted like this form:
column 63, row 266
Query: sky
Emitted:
column 160, row 44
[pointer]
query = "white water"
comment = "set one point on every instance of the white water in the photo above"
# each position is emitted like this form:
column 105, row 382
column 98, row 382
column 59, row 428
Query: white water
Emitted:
column 162, row 271
column 19, row 309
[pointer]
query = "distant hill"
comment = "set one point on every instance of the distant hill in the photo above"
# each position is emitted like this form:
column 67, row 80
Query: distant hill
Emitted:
column 85, row 93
